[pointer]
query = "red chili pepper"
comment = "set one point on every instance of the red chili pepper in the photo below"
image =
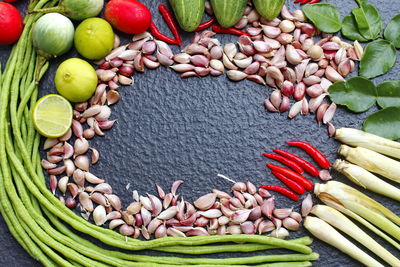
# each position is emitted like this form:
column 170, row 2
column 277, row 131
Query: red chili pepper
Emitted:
column 314, row 1
column 169, row 19
column 282, row 190
column 234, row 31
column 304, row 1
column 156, row 33
column 322, row 161
column 307, row 166
column 291, row 164
column 205, row 24
column 289, row 183
column 293, row 176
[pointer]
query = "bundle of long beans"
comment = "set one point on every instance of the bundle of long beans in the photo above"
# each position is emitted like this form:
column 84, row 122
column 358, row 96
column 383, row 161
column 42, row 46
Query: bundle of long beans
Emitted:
column 42, row 224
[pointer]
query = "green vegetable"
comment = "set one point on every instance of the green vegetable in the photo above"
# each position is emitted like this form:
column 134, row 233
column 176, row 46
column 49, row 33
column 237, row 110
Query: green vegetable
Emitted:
column 228, row 12
column 341, row 222
column 334, row 204
column 339, row 195
column 199, row 250
column 366, row 180
column 357, row 94
column 389, row 94
column 53, row 35
column 384, row 123
column 350, row 29
column 392, row 31
column 94, row 38
column 76, row 9
column 325, row 17
column 188, row 13
column 373, row 142
column 328, row 234
column 378, row 58
column 372, row 161
column 76, row 80
column 269, row 9
column 368, row 20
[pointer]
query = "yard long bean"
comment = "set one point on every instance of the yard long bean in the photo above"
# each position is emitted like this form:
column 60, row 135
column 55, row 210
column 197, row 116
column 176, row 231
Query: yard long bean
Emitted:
column 24, row 195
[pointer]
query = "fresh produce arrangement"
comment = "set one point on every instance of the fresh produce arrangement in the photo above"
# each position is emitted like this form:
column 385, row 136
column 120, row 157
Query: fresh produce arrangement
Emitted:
column 296, row 53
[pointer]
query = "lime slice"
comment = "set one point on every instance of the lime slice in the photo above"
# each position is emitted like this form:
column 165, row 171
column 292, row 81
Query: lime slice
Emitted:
column 52, row 116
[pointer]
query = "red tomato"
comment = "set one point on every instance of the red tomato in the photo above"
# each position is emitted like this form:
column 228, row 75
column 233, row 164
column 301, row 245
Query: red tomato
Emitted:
column 10, row 1
column 128, row 16
column 11, row 24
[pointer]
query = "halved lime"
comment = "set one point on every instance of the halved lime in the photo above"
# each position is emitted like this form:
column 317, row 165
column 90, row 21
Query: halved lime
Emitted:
column 52, row 116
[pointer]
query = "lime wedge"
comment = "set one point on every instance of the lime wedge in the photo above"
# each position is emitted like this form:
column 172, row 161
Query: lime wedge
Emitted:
column 52, row 116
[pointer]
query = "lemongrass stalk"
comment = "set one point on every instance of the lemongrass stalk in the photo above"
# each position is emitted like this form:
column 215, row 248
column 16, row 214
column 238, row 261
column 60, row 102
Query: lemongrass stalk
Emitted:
column 372, row 161
column 367, row 180
column 334, row 204
column 360, row 204
column 341, row 222
column 328, row 234
column 373, row 142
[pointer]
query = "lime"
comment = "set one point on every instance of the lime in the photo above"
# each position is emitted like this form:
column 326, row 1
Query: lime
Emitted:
column 52, row 116
column 94, row 38
column 76, row 80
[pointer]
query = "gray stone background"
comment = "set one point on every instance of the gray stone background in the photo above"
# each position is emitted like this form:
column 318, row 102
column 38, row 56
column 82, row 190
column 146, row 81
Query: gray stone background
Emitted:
column 193, row 129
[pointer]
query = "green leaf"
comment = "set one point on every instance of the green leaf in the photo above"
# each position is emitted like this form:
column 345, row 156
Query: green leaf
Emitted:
column 357, row 94
column 350, row 30
column 385, row 123
column 378, row 58
column 368, row 20
column 392, row 31
column 389, row 94
column 325, row 17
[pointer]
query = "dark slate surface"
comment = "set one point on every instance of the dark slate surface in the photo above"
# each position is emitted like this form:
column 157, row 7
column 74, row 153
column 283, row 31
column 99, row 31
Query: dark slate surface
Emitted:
column 192, row 129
